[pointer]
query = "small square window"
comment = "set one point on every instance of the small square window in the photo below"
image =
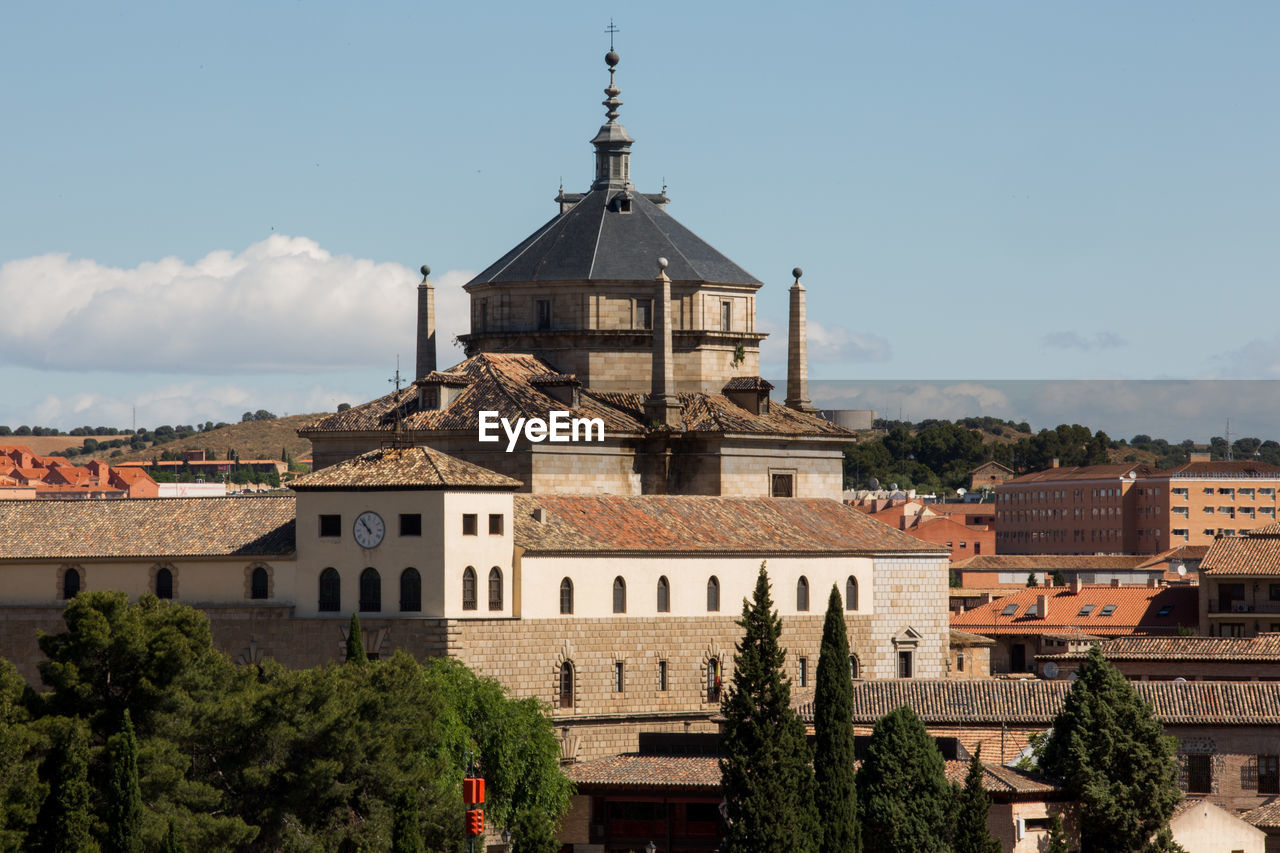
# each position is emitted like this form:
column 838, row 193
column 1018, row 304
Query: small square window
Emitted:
column 410, row 524
column 1107, row 610
column 495, row 524
column 782, row 485
column 331, row 526
column 469, row 524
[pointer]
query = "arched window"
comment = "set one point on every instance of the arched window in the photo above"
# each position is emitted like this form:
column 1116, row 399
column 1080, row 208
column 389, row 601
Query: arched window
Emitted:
column 469, row 589
column 619, row 595
column 664, row 595
column 164, row 584
column 410, row 591
column 70, row 584
column 566, row 596
column 370, row 591
column 330, row 590
column 713, row 594
column 566, row 685
column 259, row 583
column 495, row 588
column 714, row 682
column 851, row 593
column 802, row 594
column 854, row 667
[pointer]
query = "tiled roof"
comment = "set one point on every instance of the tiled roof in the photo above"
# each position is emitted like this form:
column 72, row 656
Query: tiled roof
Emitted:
column 147, row 527
column 1136, row 611
column 437, row 377
column 1265, row 816
column 695, row 523
column 1048, row 562
column 1087, row 472
column 555, row 379
column 504, row 383
column 1263, row 648
column 747, row 383
column 703, row 772
column 1255, row 553
column 963, row 639
column 945, row 701
column 649, row 771
column 1188, row 553
column 1220, row 469
column 404, row 468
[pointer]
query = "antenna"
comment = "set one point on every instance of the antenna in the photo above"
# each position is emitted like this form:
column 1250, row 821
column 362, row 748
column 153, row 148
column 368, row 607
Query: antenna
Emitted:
column 1228, row 456
column 611, row 29
column 398, row 438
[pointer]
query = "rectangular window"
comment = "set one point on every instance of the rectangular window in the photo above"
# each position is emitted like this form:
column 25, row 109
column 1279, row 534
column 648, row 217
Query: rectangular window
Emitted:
column 804, row 672
column 1199, row 774
column 619, row 676
column 495, row 524
column 331, row 526
column 410, row 524
column 662, row 675
column 960, row 662
column 469, row 524
column 644, row 313
column 1269, row 774
column 544, row 313
column 905, row 667
column 782, row 485
column 726, row 316
column 484, row 315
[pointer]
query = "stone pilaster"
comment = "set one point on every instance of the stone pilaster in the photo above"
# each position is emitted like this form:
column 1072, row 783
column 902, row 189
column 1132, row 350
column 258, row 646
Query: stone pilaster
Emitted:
column 662, row 405
column 798, row 350
column 426, row 361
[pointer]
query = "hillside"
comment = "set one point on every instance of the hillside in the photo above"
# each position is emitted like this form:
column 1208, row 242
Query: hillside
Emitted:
column 251, row 439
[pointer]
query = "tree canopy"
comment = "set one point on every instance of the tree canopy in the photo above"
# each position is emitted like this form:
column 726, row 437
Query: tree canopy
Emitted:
column 836, row 795
column 903, row 796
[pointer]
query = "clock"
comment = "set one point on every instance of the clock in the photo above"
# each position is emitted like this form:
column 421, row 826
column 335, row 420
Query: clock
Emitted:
column 369, row 529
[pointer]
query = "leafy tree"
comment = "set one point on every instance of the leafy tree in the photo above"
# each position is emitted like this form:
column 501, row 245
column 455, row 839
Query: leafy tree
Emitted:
column 342, row 407
column 836, row 795
column 406, row 832
column 1110, row 752
column 21, row 790
column 172, row 844
column 903, row 796
column 124, row 797
column 767, row 781
column 1057, row 836
column 355, row 642
column 66, row 819
column 971, row 809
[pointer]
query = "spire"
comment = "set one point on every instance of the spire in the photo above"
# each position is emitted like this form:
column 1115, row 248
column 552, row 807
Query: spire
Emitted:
column 613, row 145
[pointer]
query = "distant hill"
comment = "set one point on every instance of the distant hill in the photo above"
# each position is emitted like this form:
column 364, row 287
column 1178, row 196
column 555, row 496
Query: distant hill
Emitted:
column 251, row 439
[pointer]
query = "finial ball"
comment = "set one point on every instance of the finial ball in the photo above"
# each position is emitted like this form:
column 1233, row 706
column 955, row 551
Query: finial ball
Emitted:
column 662, row 263
column 797, row 272
column 611, row 58
column 426, row 270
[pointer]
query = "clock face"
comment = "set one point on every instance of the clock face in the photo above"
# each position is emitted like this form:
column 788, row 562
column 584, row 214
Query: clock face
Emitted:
column 369, row 529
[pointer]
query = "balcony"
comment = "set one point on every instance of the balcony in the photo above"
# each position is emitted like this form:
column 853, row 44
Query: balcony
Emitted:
column 1220, row 606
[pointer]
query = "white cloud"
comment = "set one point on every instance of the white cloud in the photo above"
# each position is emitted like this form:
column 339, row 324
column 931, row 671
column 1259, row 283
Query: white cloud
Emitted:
column 1258, row 358
column 1074, row 340
column 283, row 305
column 828, row 345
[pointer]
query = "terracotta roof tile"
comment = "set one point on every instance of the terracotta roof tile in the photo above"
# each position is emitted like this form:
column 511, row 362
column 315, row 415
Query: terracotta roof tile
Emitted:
column 747, row 383
column 1002, row 780
column 1255, row 553
column 1262, row 648
column 1050, row 562
column 1137, row 610
column 695, row 523
column 661, row 771
column 147, row 527
column 404, row 468
column 1265, row 816
column 945, row 701
column 1086, row 472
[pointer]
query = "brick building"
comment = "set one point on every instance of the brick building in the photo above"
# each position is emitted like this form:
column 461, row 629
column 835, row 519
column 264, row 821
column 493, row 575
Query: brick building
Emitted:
column 1254, row 658
column 1240, row 584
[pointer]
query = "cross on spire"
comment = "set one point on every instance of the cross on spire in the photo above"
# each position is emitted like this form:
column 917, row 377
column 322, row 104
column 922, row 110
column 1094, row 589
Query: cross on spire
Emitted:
column 611, row 29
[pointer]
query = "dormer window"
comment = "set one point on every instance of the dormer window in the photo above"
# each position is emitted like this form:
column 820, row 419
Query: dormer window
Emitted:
column 624, row 205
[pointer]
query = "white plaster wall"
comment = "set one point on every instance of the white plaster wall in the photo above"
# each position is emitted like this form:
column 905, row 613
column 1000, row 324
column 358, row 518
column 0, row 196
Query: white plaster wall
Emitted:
column 1206, row 828
column 593, row 583
column 481, row 552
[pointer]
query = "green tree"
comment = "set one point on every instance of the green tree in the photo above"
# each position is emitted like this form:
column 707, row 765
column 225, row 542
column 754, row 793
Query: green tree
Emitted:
column 355, row 642
column 66, row 819
column 903, row 796
column 1110, row 752
column 124, row 797
column 406, row 832
column 1057, row 836
column 1031, row 579
column 767, row 780
column 971, row 809
column 21, row 790
column 1059, row 579
column 836, row 795
column 173, row 844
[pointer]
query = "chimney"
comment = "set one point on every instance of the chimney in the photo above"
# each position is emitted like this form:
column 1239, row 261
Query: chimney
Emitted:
column 798, row 351
column 1042, row 606
column 662, row 405
column 1153, row 583
column 1054, row 463
column 1115, row 583
column 1076, row 585
column 426, row 325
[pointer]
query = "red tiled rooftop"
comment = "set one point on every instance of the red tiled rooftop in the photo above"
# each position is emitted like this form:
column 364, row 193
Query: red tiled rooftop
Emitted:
column 1256, row 553
column 1264, row 647
column 1136, row 610
column 1087, row 472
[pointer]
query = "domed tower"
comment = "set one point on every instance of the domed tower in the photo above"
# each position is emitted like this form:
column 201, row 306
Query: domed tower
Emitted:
column 579, row 292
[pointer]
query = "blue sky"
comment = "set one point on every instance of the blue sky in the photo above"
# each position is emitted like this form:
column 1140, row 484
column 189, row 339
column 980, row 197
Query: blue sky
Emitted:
column 208, row 209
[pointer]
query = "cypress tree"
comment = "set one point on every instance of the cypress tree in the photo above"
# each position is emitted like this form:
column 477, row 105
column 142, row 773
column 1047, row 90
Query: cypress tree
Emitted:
column 971, row 808
column 355, row 642
column 171, row 842
column 836, row 794
column 1110, row 753
column 903, row 796
column 1057, row 836
column 65, row 818
column 406, row 829
column 768, row 783
column 124, row 797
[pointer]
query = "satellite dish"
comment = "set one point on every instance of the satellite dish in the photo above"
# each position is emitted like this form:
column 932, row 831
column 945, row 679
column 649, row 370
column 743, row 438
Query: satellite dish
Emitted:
column 874, row 483
column 1180, row 678
column 893, row 487
column 962, row 491
column 1050, row 670
column 1182, row 569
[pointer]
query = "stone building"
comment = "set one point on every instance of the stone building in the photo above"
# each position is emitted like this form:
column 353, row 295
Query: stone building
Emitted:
column 613, row 310
column 617, row 611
